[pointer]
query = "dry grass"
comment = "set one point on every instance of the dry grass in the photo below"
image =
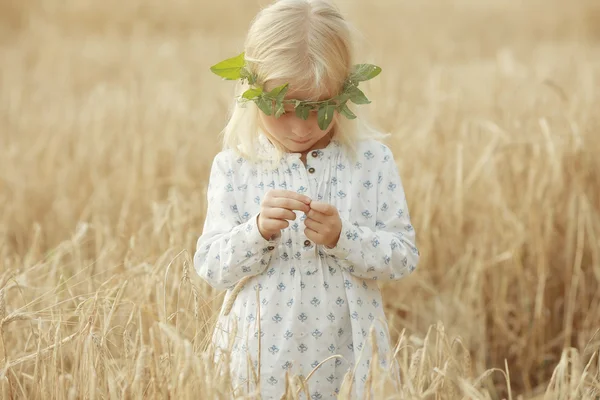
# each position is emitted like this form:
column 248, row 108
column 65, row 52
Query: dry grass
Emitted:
column 108, row 123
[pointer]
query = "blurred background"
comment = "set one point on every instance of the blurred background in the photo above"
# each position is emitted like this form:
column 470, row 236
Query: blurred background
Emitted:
column 109, row 119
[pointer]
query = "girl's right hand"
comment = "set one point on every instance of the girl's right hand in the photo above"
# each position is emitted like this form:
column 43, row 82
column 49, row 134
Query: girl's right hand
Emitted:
column 277, row 208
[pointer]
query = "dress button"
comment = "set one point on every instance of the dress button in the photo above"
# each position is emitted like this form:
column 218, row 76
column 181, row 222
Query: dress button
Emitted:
column 271, row 248
column 311, row 170
column 307, row 243
column 314, row 154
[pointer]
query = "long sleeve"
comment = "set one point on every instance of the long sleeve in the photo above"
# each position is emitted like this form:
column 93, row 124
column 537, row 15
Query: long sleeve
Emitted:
column 231, row 246
column 387, row 252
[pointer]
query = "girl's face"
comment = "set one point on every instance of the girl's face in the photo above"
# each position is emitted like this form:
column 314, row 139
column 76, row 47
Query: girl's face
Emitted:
column 293, row 133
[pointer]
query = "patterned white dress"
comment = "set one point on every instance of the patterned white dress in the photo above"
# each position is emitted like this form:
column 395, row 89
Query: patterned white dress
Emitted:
column 314, row 302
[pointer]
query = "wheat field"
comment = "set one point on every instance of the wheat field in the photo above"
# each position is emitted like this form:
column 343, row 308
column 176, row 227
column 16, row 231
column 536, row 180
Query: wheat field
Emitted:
column 109, row 119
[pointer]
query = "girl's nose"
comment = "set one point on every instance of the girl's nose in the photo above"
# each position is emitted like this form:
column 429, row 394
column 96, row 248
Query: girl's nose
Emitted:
column 300, row 128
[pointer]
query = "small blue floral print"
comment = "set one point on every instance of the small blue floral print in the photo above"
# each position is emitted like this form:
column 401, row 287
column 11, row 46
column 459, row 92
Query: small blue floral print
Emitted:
column 287, row 365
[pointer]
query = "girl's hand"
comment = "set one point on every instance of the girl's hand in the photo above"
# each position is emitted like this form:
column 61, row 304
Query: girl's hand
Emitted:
column 323, row 224
column 277, row 208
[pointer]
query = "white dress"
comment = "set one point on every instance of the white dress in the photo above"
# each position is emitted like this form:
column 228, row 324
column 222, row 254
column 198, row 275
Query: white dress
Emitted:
column 314, row 302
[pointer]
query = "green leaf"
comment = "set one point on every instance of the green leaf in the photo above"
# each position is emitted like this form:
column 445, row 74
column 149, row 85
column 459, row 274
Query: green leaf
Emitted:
column 325, row 115
column 253, row 93
column 280, row 111
column 302, row 111
column 266, row 105
column 357, row 96
column 342, row 97
column 231, row 68
column 279, row 92
column 345, row 111
column 364, row 72
column 246, row 75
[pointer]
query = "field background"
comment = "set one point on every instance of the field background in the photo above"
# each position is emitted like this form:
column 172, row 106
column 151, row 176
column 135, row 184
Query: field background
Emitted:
column 109, row 119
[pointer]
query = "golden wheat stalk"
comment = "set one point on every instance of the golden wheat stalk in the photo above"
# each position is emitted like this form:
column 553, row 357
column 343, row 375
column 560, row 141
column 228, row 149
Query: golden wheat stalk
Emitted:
column 234, row 293
column 41, row 352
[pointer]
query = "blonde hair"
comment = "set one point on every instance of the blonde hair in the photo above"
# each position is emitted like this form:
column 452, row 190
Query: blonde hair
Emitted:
column 306, row 43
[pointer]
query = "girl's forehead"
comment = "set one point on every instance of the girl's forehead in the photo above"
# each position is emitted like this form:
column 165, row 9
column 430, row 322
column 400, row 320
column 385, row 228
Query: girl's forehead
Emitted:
column 314, row 94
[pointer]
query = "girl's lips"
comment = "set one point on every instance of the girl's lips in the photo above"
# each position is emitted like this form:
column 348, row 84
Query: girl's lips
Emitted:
column 300, row 142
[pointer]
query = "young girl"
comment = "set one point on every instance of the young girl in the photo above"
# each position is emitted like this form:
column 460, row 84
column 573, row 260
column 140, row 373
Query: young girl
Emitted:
column 306, row 213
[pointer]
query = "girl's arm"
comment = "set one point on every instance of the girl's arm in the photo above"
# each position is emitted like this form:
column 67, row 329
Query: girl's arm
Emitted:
column 229, row 248
column 388, row 252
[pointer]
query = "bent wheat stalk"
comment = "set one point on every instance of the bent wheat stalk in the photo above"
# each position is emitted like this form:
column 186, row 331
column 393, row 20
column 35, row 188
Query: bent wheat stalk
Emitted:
column 236, row 290
column 42, row 351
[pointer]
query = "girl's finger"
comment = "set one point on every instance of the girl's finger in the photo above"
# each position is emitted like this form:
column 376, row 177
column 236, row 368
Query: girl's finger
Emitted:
column 316, row 215
column 312, row 235
column 314, row 225
column 290, row 204
column 288, row 194
column 276, row 224
column 323, row 208
column 279, row 213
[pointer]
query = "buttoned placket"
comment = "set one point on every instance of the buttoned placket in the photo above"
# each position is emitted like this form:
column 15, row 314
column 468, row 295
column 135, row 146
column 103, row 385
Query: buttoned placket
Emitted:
column 307, row 246
column 311, row 169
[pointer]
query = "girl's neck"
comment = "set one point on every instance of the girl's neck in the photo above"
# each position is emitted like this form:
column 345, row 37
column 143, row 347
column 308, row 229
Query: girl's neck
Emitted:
column 321, row 144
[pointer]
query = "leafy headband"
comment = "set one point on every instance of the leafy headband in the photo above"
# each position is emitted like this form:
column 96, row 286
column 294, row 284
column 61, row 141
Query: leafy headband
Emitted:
column 272, row 102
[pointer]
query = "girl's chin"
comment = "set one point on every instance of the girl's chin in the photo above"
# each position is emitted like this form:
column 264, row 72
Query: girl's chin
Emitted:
column 299, row 146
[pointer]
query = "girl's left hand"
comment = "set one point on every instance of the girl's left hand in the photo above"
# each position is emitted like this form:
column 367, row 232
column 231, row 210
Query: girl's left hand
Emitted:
column 323, row 224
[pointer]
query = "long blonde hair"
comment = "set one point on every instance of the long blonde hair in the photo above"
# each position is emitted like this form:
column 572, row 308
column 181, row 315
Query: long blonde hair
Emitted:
column 306, row 43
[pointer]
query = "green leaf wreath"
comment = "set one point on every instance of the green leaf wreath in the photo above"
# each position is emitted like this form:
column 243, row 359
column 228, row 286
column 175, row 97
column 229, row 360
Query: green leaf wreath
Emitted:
column 273, row 102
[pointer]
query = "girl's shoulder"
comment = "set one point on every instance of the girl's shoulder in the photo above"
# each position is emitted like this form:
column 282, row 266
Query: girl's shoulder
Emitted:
column 228, row 158
column 373, row 150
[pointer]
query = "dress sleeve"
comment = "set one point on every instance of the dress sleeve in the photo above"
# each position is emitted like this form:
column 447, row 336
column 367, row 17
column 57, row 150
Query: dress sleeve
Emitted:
column 229, row 249
column 389, row 251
